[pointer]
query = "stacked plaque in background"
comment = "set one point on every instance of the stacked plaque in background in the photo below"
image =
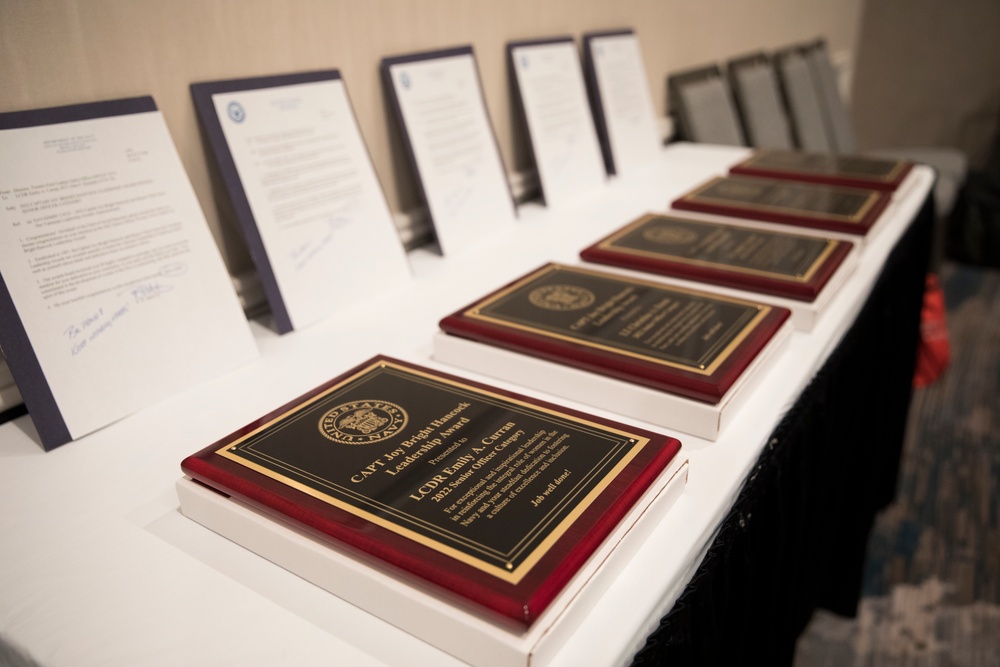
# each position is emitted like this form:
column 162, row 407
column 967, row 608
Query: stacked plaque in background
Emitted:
column 849, row 170
column 801, row 271
column 461, row 512
column 669, row 355
column 822, row 206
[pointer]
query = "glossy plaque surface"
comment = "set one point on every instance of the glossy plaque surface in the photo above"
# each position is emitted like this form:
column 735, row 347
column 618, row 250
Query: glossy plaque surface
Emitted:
column 850, row 170
column 820, row 206
column 493, row 497
column 687, row 342
column 770, row 262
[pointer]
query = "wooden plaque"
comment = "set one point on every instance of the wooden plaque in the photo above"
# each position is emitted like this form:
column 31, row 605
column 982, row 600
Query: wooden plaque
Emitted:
column 492, row 499
column 682, row 341
column 819, row 206
column 771, row 262
column 850, row 170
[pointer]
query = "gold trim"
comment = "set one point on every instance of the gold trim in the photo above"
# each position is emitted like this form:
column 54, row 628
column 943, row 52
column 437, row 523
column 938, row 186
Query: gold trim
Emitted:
column 629, row 443
column 757, row 159
column 762, row 312
column 854, row 218
column 819, row 261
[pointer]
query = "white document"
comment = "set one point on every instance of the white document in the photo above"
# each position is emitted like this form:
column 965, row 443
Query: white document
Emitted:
column 560, row 124
column 449, row 133
column 317, row 206
column 626, row 104
column 113, row 277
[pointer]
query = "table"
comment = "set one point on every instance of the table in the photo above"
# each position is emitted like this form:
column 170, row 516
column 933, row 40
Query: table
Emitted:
column 100, row 568
column 795, row 538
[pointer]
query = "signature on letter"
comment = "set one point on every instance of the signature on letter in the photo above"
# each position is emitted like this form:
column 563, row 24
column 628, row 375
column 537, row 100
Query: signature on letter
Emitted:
column 308, row 250
column 92, row 327
column 150, row 290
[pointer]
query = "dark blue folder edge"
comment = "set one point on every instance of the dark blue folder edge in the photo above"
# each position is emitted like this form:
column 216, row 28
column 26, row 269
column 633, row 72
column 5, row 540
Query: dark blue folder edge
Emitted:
column 13, row 120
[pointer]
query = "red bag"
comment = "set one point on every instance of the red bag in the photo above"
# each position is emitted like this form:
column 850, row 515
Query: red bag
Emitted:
column 933, row 349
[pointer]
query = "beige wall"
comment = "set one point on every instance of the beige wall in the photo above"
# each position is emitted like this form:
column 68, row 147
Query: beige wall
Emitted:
column 55, row 52
column 927, row 73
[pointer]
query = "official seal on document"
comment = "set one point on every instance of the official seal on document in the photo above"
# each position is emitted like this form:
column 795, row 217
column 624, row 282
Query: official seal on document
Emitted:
column 236, row 112
column 362, row 422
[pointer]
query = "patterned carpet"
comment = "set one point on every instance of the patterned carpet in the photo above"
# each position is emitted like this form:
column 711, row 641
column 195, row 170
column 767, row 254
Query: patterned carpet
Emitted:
column 932, row 580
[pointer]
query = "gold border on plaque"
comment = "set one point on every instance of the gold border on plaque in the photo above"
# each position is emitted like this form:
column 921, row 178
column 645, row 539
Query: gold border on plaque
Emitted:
column 609, row 244
column 854, row 218
column 631, row 442
column 762, row 311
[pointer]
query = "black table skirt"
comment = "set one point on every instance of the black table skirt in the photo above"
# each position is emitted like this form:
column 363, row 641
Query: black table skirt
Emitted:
column 795, row 539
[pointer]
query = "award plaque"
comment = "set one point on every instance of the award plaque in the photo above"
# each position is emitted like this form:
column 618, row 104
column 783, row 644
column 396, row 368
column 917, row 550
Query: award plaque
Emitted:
column 494, row 499
column 761, row 260
column 849, row 170
column 681, row 341
column 819, row 206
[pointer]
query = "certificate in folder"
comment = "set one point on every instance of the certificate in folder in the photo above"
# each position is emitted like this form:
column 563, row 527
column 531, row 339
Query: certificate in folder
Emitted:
column 304, row 191
column 448, row 135
column 113, row 294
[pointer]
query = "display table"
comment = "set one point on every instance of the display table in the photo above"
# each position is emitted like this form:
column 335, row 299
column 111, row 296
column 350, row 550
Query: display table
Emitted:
column 101, row 568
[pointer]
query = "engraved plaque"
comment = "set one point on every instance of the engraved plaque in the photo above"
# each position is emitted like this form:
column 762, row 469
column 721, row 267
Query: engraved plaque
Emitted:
column 820, row 206
column 850, row 170
column 495, row 497
column 770, row 262
column 684, row 341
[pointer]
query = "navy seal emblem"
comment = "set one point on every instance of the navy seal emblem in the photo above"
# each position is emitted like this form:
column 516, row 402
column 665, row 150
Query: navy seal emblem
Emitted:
column 561, row 297
column 669, row 235
column 362, row 422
